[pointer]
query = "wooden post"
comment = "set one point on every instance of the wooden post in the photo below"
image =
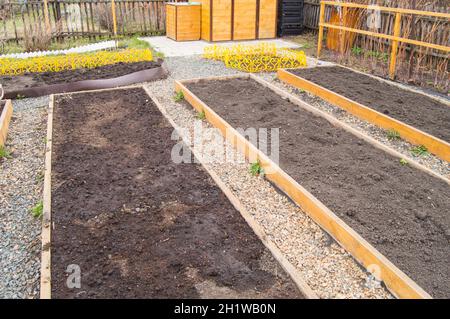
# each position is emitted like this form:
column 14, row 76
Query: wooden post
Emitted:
column 113, row 9
column 46, row 17
column 321, row 21
column 397, row 29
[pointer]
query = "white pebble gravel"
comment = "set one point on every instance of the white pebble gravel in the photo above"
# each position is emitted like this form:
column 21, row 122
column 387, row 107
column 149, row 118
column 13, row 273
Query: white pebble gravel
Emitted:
column 21, row 180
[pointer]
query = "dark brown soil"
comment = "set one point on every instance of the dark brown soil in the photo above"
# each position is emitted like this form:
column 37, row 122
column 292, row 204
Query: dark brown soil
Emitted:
column 402, row 211
column 13, row 83
column 411, row 108
column 138, row 225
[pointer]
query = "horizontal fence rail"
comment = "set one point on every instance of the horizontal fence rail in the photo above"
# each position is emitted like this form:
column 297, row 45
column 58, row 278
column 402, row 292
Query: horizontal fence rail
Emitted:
column 80, row 18
column 311, row 10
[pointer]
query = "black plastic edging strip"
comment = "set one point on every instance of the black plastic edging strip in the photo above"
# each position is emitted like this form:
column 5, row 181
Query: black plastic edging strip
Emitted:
column 153, row 74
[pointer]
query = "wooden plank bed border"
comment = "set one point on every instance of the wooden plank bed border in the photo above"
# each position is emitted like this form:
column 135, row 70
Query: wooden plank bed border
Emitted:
column 415, row 136
column 396, row 281
column 5, row 118
column 45, row 288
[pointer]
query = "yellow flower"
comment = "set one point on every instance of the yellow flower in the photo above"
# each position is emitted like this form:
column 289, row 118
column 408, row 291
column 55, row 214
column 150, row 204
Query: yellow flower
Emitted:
column 56, row 63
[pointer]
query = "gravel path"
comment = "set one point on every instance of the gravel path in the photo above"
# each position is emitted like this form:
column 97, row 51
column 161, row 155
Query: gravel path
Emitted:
column 21, row 180
column 326, row 267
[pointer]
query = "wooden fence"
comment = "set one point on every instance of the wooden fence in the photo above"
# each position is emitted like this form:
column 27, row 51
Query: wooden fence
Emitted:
column 422, row 28
column 80, row 18
column 311, row 13
column 396, row 37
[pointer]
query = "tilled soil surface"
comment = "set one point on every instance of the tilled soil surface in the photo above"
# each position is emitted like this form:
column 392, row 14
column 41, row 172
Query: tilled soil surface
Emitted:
column 411, row 108
column 137, row 224
column 13, row 83
column 400, row 210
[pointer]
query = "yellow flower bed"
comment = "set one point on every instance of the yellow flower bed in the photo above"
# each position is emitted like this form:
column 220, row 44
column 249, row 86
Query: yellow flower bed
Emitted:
column 263, row 57
column 56, row 63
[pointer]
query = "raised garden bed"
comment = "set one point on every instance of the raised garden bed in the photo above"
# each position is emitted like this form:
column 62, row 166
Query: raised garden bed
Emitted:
column 354, row 187
column 6, row 111
column 418, row 118
column 35, row 84
column 137, row 224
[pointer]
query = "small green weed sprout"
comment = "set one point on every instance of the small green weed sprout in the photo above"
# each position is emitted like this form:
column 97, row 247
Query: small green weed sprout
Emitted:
column 40, row 176
column 4, row 153
column 419, row 151
column 357, row 50
column 393, row 135
column 201, row 115
column 179, row 96
column 256, row 169
column 37, row 210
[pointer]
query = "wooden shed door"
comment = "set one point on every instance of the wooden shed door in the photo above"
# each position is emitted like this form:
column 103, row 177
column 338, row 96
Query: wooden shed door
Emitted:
column 267, row 19
column 221, row 22
column 244, row 26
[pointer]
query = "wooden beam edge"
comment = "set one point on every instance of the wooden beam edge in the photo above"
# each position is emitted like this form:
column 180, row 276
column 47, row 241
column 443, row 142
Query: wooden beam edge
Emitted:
column 5, row 119
column 415, row 136
column 304, row 288
column 397, row 282
column 45, row 288
column 125, row 87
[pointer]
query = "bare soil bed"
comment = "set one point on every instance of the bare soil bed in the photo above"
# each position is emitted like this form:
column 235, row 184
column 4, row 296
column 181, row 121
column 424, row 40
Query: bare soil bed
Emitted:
column 14, row 83
column 414, row 109
column 137, row 224
column 400, row 210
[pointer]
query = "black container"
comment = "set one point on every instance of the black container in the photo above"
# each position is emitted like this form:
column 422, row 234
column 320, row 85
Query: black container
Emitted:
column 290, row 17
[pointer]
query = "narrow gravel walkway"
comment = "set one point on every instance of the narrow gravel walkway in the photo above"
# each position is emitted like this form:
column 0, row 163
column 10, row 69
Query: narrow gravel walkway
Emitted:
column 21, row 181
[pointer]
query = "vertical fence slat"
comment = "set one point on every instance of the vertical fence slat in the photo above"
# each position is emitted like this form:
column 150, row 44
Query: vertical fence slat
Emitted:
column 87, row 18
column 144, row 20
column 121, row 16
column 81, row 18
column 92, row 18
